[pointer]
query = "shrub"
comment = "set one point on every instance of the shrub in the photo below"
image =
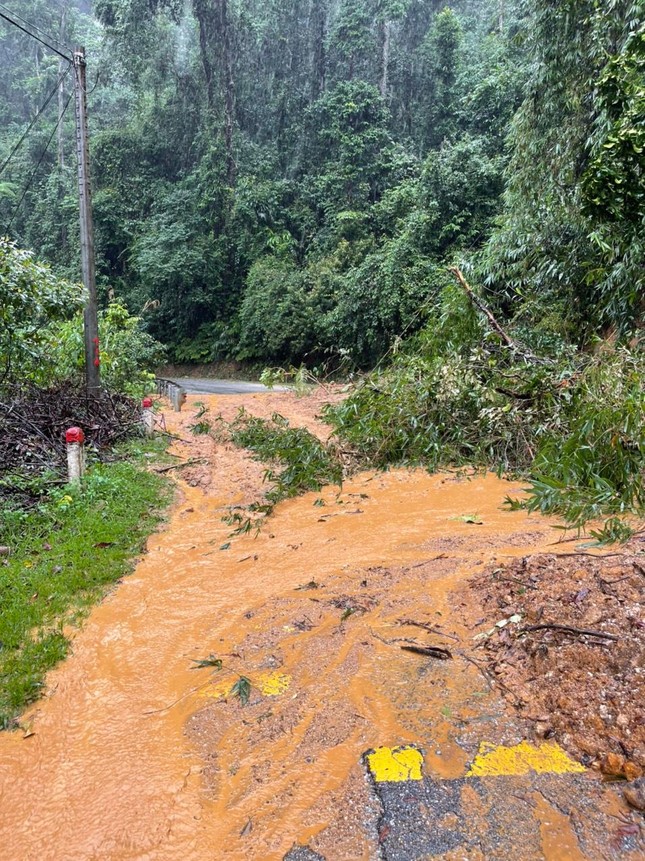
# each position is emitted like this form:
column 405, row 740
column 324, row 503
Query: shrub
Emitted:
column 31, row 297
column 128, row 352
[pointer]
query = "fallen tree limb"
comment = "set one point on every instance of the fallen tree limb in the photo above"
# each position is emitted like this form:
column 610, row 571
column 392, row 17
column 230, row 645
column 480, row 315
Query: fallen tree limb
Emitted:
column 427, row 627
column 506, row 338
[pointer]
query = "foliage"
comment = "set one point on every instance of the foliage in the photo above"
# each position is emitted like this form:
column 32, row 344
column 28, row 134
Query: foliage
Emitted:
column 287, row 182
column 571, row 235
column 308, row 464
column 30, row 297
column 242, row 690
column 128, row 353
column 590, row 464
column 456, row 395
column 235, row 145
column 54, row 575
column 281, row 312
column 210, row 661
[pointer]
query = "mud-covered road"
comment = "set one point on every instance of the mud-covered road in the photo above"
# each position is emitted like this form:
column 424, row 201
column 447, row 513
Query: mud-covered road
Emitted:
column 351, row 746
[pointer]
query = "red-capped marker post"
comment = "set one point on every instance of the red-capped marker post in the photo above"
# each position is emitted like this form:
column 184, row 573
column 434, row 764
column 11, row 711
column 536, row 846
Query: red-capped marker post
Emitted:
column 75, row 439
column 148, row 416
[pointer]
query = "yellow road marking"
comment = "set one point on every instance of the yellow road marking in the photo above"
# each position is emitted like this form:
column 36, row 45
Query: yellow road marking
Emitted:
column 395, row 764
column 273, row 684
column 496, row 760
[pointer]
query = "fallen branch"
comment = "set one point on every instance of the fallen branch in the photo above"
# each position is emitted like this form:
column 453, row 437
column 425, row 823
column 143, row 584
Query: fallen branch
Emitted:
column 183, row 465
column 429, row 651
column 427, row 627
column 567, row 629
column 425, row 561
column 456, row 271
column 506, row 338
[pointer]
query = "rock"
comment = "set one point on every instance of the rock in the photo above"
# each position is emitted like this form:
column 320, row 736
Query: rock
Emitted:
column 632, row 771
column 5, row 551
column 543, row 729
column 613, row 765
column 634, row 794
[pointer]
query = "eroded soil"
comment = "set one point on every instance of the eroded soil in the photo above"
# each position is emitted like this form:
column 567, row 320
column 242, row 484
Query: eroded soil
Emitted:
column 586, row 690
column 138, row 754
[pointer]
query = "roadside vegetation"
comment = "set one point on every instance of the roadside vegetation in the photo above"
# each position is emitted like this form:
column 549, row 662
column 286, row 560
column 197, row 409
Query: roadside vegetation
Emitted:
column 62, row 546
column 297, row 462
column 58, row 559
column 303, row 206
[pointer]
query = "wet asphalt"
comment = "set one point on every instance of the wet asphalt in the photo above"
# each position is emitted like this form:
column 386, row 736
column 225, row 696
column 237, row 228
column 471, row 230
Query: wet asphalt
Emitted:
column 206, row 386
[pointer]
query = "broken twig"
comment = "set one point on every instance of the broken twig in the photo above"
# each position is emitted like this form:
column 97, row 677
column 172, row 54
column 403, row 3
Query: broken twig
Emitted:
column 183, row 465
column 567, row 629
column 427, row 627
column 429, row 651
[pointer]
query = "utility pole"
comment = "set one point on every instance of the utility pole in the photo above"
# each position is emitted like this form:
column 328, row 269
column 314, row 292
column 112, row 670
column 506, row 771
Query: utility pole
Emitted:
column 92, row 352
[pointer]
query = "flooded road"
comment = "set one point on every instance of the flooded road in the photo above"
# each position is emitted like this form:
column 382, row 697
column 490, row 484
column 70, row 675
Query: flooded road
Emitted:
column 135, row 754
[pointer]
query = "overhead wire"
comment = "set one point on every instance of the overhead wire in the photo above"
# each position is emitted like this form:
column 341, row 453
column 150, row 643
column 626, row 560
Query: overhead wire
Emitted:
column 29, row 32
column 40, row 161
column 41, row 110
column 31, row 26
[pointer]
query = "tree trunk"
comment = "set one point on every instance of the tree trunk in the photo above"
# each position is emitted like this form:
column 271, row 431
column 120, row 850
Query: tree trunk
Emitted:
column 229, row 92
column 319, row 63
column 386, row 35
column 216, row 52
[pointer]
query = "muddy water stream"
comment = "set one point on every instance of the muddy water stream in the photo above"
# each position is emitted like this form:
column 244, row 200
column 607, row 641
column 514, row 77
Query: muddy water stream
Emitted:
column 135, row 755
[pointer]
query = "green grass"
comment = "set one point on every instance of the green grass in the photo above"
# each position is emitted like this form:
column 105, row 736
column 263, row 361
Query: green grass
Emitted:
column 65, row 554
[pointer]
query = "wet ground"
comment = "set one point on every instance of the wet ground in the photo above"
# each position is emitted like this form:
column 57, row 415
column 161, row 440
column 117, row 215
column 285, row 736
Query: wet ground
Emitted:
column 352, row 745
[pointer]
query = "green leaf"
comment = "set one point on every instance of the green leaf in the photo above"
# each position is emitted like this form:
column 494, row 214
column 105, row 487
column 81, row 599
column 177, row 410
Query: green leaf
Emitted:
column 242, row 689
column 210, row 661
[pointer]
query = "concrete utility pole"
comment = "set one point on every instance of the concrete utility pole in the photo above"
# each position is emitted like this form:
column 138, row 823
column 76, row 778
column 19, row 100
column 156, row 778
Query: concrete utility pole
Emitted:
column 92, row 352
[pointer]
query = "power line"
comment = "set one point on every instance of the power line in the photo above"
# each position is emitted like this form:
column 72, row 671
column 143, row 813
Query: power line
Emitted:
column 33, row 36
column 36, row 29
column 40, row 161
column 18, row 144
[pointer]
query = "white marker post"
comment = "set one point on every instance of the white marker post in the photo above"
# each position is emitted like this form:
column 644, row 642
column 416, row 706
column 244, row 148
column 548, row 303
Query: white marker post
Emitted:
column 148, row 416
column 75, row 439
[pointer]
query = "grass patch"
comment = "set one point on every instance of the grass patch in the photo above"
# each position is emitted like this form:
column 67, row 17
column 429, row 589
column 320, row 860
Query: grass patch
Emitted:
column 64, row 554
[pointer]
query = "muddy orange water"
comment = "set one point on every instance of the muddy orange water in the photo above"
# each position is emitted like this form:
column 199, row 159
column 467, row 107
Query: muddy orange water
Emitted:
column 136, row 755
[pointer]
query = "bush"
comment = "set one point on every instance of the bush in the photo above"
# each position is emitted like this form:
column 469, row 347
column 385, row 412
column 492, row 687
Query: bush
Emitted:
column 456, row 395
column 31, row 297
column 281, row 314
column 128, row 353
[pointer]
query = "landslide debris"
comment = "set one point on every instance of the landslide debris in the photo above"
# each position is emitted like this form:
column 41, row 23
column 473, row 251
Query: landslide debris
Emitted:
column 564, row 637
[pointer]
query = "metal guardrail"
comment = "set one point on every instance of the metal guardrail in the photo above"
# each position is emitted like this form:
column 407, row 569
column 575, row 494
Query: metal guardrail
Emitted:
column 175, row 393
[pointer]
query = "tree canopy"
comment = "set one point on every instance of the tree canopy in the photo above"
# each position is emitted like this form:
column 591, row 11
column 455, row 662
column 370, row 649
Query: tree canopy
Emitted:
column 288, row 180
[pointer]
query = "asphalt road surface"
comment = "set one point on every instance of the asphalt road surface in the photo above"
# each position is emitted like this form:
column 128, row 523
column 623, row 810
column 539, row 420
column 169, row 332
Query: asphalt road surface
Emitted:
column 205, row 386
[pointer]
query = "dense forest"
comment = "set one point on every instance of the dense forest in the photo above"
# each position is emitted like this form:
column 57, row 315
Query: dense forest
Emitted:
column 323, row 181
column 287, row 181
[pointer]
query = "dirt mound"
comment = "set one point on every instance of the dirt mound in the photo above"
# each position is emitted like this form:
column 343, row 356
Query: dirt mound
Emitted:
column 565, row 640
